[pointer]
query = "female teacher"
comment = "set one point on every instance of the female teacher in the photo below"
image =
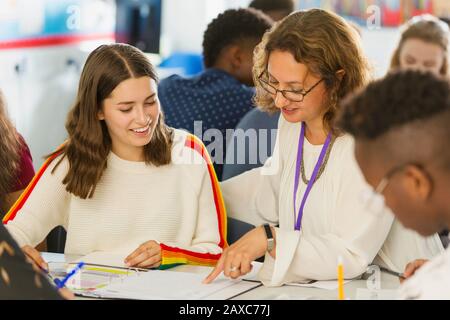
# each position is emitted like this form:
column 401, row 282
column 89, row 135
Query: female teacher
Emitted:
column 311, row 186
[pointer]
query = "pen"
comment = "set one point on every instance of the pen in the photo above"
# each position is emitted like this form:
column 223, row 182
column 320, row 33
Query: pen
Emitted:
column 62, row 283
column 340, row 279
column 394, row 273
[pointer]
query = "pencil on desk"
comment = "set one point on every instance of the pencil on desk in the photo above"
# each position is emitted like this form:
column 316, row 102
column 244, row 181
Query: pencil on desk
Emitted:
column 394, row 273
column 340, row 279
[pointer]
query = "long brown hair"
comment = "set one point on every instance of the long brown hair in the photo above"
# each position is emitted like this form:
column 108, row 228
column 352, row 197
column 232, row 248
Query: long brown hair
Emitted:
column 10, row 147
column 323, row 41
column 428, row 29
column 89, row 142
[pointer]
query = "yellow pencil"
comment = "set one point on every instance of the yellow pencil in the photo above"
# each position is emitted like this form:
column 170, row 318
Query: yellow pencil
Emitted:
column 340, row 279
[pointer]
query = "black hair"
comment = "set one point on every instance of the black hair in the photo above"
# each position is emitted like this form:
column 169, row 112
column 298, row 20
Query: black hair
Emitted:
column 399, row 99
column 231, row 26
column 273, row 5
column 445, row 19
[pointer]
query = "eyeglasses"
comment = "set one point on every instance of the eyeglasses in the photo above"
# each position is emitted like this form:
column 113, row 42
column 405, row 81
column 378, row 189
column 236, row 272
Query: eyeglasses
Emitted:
column 291, row 95
column 374, row 198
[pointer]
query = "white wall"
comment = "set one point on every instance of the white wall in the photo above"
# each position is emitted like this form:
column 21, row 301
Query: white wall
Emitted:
column 40, row 83
column 40, row 93
column 378, row 46
column 185, row 21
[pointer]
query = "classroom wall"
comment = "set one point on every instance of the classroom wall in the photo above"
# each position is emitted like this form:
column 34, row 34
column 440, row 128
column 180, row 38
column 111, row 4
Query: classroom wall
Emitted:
column 40, row 82
column 43, row 47
column 184, row 22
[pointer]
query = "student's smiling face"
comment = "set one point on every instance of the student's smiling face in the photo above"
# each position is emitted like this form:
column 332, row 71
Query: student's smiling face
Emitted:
column 417, row 54
column 131, row 113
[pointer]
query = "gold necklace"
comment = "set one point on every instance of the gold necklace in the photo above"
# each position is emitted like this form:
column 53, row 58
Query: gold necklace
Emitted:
column 322, row 167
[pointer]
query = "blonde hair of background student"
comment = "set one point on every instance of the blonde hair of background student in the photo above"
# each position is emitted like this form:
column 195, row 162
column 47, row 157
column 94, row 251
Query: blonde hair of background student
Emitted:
column 423, row 45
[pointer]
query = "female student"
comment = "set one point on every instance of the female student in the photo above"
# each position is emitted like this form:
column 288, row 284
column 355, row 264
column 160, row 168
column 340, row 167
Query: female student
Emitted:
column 423, row 46
column 124, row 181
column 16, row 166
column 311, row 186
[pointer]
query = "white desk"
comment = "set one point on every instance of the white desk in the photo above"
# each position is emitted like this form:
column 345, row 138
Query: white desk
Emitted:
column 265, row 293
column 300, row 293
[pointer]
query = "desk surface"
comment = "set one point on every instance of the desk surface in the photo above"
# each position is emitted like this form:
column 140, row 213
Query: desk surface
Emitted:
column 388, row 282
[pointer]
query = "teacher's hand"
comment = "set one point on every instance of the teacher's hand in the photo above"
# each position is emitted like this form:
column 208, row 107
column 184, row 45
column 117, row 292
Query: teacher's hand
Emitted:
column 236, row 259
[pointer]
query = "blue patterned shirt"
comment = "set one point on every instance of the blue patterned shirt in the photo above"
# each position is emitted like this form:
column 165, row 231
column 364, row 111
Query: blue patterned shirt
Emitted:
column 213, row 97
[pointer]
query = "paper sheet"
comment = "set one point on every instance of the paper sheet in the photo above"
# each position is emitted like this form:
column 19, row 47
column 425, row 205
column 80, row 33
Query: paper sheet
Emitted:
column 170, row 285
column 327, row 285
column 382, row 294
column 105, row 258
column 100, row 269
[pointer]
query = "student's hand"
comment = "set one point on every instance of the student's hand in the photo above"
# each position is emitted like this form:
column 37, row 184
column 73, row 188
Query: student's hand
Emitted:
column 147, row 255
column 35, row 257
column 412, row 267
column 236, row 260
column 66, row 294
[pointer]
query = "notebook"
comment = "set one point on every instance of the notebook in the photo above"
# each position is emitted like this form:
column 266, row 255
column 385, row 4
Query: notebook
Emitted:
column 173, row 285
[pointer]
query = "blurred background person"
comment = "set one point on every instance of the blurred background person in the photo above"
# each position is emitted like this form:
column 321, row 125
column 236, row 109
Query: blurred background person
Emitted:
column 222, row 94
column 423, row 46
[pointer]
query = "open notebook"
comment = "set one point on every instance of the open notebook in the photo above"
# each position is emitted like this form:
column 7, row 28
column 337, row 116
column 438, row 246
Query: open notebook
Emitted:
column 111, row 259
column 173, row 285
column 106, row 276
column 100, row 269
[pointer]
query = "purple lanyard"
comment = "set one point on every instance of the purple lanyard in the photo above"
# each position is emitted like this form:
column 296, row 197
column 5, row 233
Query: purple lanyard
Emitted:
column 301, row 139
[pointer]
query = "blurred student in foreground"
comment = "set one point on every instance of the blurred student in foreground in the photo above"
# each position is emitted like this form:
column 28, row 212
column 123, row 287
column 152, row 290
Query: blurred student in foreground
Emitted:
column 402, row 150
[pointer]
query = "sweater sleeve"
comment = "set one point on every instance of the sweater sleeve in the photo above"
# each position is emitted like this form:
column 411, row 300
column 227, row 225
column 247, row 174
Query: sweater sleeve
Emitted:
column 356, row 235
column 42, row 206
column 209, row 238
column 252, row 196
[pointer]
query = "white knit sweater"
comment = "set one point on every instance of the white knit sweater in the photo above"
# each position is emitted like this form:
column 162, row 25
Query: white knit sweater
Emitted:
column 178, row 205
column 335, row 220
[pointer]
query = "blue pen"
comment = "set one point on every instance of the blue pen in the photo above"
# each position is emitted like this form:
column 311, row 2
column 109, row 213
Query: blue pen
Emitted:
column 62, row 283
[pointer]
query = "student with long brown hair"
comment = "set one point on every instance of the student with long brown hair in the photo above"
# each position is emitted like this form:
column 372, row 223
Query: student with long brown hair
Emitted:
column 423, row 46
column 310, row 187
column 16, row 166
column 124, row 181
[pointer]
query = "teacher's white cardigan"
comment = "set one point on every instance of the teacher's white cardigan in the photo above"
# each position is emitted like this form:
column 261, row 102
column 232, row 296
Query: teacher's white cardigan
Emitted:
column 335, row 219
